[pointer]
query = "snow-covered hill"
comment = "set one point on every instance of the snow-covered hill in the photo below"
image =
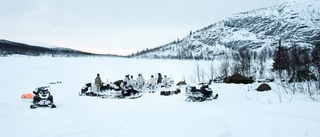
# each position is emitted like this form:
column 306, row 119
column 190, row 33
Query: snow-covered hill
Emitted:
column 293, row 21
column 238, row 112
column 40, row 44
column 8, row 48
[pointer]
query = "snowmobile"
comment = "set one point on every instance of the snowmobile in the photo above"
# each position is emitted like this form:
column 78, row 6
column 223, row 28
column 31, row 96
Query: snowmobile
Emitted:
column 88, row 90
column 110, row 91
column 42, row 98
column 123, row 94
column 115, row 92
column 199, row 95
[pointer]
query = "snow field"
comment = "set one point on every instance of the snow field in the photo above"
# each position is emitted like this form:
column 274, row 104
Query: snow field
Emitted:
column 238, row 112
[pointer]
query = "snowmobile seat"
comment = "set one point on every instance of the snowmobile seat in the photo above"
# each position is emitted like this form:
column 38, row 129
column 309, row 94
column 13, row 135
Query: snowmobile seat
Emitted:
column 84, row 90
column 105, row 87
column 191, row 89
column 88, row 84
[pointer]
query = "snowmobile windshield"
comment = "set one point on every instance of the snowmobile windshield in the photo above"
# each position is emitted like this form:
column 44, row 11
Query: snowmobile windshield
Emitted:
column 43, row 89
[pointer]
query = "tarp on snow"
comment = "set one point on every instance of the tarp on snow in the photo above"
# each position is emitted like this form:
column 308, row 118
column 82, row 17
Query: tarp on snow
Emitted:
column 237, row 78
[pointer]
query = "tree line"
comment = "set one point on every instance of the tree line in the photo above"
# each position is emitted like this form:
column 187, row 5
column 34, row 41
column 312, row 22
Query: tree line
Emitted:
column 8, row 48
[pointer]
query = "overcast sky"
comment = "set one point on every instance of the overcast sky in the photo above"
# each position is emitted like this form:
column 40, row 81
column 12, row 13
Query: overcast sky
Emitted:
column 113, row 26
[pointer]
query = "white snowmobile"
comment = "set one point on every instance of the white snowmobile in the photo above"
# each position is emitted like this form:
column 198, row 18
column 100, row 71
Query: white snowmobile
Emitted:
column 199, row 95
column 42, row 98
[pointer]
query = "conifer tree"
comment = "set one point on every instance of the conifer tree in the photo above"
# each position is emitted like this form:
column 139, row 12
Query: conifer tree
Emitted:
column 281, row 59
column 281, row 62
column 316, row 59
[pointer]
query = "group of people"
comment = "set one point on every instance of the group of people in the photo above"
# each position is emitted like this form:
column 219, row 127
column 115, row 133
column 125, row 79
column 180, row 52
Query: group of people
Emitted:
column 130, row 82
column 139, row 83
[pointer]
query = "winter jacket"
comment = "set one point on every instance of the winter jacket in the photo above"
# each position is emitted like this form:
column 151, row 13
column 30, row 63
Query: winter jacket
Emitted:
column 165, row 81
column 133, row 82
column 159, row 79
column 98, row 81
column 140, row 81
column 152, row 82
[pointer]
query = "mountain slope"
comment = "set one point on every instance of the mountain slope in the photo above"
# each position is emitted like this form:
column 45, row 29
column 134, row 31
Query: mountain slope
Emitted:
column 294, row 22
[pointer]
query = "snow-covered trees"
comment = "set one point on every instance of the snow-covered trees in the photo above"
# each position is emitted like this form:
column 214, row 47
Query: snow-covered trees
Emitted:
column 316, row 58
column 281, row 59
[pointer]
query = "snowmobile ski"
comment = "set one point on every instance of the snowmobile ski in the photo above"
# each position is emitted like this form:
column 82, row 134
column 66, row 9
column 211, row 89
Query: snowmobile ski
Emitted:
column 216, row 96
column 134, row 97
column 36, row 106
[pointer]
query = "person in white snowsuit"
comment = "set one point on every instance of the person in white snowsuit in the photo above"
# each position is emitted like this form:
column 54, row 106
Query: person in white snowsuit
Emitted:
column 165, row 81
column 140, row 81
column 132, row 82
column 152, row 83
column 126, row 82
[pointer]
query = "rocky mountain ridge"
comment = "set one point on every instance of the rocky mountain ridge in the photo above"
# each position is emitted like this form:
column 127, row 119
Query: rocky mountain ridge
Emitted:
column 294, row 22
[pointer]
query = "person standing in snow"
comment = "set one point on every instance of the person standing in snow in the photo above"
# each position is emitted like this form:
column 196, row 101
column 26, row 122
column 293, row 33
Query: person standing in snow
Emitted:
column 140, row 81
column 152, row 83
column 98, row 82
column 159, row 78
column 165, row 81
column 133, row 83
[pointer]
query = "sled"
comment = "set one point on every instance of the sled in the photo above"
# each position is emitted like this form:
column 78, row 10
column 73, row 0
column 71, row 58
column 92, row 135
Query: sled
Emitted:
column 169, row 92
column 27, row 97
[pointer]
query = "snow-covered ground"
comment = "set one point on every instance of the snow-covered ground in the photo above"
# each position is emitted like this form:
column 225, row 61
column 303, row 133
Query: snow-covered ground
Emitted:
column 238, row 112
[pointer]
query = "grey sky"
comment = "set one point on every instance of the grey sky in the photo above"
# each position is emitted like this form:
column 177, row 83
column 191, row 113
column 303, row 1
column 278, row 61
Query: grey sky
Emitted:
column 117, row 26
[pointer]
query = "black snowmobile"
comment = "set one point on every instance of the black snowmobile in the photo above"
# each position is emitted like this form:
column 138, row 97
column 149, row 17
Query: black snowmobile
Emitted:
column 115, row 92
column 199, row 95
column 42, row 98
column 110, row 91
column 87, row 91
